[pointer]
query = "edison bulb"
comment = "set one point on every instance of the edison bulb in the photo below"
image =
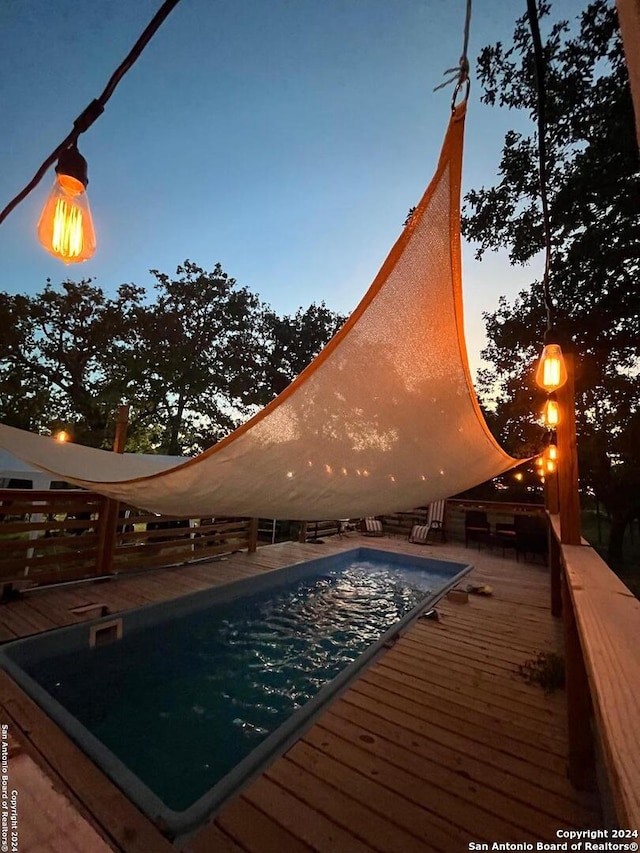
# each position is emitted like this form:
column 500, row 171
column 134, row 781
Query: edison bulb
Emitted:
column 552, row 371
column 551, row 413
column 65, row 228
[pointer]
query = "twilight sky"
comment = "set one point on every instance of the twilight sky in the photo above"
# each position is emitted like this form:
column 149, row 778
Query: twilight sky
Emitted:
column 285, row 139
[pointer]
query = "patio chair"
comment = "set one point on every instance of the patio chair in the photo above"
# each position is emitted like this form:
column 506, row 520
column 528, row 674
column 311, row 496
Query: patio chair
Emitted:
column 371, row 527
column 476, row 527
column 420, row 533
column 531, row 536
column 505, row 537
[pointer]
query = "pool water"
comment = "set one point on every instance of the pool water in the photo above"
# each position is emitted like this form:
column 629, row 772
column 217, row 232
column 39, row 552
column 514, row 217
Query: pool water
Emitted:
column 183, row 702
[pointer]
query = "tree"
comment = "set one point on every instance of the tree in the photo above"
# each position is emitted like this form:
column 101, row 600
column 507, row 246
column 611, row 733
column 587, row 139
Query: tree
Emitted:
column 195, row 356
column 191, row 364
column 60, row 357
column 594, row 193
column 218, row 354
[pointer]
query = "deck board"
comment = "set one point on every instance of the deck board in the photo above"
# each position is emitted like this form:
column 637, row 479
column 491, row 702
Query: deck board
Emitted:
column 469, row 755
column 359, row 805
column 427, row 787
column 369, row 755
column 255, row 825
column 475, row 692
column 438, row 743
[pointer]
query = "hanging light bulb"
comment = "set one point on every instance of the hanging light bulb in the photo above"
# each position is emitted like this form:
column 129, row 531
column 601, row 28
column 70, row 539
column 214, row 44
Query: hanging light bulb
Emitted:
column 552, row 371
column 62, row 436
column 551, row 458
column 65, row 228
column 551, row 412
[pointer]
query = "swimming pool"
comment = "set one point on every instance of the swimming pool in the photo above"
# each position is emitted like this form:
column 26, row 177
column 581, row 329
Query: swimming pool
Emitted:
column 182, row 702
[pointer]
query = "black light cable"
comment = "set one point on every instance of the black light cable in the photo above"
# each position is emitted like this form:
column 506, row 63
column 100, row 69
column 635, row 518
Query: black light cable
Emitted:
column 542, row 149
column 96, row 107
column 551, row 373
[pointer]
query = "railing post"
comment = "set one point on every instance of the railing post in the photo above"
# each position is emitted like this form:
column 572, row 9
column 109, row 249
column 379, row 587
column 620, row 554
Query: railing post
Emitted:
column 302, row 532
column 109, row 514
column 581, row 759
column 253, row 535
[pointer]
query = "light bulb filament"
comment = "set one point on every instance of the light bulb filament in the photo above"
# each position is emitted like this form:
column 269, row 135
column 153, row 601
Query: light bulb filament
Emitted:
column 551, row 373
column 67, row 239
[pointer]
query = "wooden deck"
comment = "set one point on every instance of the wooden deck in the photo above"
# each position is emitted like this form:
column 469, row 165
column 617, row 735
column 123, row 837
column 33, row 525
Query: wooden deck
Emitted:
column 437, row 744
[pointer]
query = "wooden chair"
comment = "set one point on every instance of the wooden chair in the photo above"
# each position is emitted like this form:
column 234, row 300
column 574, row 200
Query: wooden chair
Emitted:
column 420, row 533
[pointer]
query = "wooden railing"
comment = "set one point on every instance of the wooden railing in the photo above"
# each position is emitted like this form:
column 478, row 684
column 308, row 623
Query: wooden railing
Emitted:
column 54, row 536
column 48, row 534
column 602, row 661
column 311, row 531
column 147, row 541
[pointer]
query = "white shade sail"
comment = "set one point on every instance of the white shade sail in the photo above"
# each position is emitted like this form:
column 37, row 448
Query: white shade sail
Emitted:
column 384, row 419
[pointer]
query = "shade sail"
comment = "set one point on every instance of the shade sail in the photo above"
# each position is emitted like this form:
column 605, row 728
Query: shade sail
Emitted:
column 384, row 419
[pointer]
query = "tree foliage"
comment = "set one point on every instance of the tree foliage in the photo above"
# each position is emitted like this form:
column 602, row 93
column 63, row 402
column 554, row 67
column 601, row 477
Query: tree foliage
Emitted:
column 191, row 363
column 60, row 356
column 594, row 201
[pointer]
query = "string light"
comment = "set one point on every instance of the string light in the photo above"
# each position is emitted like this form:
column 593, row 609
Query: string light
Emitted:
column 551, row 412
column 552, row 371
column 65, row 228
column 67, row 224
column 551, row 457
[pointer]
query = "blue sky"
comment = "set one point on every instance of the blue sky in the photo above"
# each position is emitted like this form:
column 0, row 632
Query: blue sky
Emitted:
column 285, row 139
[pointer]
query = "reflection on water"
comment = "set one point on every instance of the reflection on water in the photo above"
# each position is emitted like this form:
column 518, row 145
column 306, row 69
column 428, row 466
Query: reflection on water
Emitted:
column 180, row 704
